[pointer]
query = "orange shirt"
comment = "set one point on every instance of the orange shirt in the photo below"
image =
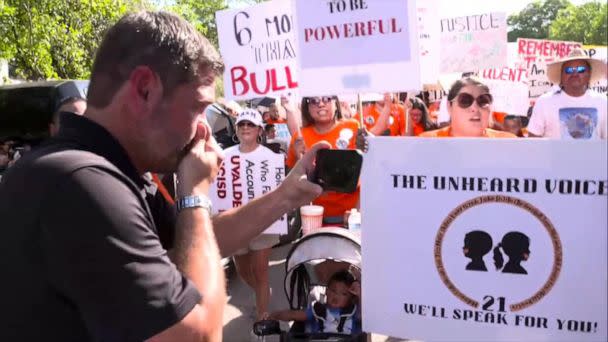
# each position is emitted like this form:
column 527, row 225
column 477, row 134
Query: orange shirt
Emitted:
column 342, row 136
column 396, row 119
column 446, row 132
column 277, row 121
column 418, row 129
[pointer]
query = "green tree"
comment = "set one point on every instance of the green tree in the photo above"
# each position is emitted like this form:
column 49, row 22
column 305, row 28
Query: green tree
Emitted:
column 49, row 39
column 201, row 14
column 534, row 20
column 587, row 24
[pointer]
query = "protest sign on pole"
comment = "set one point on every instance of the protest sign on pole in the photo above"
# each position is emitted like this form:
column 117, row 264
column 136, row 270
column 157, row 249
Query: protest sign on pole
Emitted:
column 473, row 42
column 259, row 50
column 428, row 37
column 357, row 46
column 534, row 54
column 601, row 53
column 480, row 247
column 245, row 176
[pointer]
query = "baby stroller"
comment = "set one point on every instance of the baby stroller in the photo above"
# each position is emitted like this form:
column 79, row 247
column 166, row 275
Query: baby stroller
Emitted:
column 302, row 287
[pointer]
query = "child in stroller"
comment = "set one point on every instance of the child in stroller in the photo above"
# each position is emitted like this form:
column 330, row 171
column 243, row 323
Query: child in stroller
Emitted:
column 341, row 314
column 338, row 250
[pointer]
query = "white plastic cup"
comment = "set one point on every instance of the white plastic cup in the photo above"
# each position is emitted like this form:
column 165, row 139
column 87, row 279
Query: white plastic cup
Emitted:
column 312, row 218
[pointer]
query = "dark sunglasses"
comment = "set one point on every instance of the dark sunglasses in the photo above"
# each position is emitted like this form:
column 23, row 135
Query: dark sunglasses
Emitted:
column 466, row 100
column 317, row 100
column 575, row 70
column 246, row 123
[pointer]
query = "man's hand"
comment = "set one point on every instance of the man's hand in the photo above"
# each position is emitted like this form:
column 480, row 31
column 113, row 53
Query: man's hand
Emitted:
column 199, row 166
column 296, row 189
column 361, row 140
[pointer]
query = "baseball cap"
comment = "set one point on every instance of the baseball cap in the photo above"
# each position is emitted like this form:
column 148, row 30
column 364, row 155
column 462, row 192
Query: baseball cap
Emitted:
column 250, row 115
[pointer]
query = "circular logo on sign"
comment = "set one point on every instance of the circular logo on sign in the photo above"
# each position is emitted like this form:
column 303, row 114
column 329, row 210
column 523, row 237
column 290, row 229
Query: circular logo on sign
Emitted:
column 498, row 247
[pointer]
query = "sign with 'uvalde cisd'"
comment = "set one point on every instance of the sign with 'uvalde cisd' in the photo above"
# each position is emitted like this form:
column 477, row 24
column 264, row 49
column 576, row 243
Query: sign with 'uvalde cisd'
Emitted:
column 350, row 46
column 488, row 240
column 245, row 176
column 259, row 49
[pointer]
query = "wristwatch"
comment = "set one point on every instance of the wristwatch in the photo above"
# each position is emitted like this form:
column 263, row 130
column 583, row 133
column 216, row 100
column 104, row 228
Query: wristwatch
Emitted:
column 196, row 201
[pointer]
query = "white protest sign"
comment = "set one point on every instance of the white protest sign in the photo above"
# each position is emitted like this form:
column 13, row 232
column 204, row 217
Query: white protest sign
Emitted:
column 259, row 50
column 601, row 53
column 509, row 89
column 479, row 247
column 534, row 55
column 428, row 38
column 357, row 46
column 245, row 176
column 473, row 42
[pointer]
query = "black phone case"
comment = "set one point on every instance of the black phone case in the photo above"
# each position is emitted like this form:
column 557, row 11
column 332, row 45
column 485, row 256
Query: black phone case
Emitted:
column 338, row 170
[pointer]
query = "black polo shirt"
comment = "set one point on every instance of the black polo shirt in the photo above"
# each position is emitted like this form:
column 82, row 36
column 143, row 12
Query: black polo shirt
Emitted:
column 79, row 252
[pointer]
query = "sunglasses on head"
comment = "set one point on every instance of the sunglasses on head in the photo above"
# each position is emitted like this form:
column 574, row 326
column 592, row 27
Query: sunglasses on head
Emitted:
column 465, row 100
column 317, row 100
column 246, row 124
column 575, row 70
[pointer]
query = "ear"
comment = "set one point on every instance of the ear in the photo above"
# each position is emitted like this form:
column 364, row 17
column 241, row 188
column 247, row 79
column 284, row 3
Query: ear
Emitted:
column 145, row 90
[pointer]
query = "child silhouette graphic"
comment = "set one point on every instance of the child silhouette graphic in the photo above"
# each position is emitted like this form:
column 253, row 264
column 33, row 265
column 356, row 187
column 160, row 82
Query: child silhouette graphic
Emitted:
column 477, row 243
column 516, row 245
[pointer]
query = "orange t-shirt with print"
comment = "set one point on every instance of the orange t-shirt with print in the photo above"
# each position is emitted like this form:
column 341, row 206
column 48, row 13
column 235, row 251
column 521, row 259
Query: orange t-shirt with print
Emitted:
column 446, row 132
column 341, row 137
column 396, row 119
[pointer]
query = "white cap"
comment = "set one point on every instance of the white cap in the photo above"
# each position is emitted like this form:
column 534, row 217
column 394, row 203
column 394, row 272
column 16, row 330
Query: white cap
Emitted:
column 250, row 115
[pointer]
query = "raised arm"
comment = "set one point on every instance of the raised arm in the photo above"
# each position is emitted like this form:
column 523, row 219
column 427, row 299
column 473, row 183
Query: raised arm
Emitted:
column 235, row 228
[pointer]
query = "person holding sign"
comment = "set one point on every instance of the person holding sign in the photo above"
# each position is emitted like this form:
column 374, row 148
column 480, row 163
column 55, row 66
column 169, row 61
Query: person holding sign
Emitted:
column 322, row 120
column 81, row 247
column 469, row 103
column 384, row 117
column 252, row 261
column 575, row 111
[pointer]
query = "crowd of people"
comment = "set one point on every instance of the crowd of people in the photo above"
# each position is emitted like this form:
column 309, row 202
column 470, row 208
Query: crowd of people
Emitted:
column 82, row 246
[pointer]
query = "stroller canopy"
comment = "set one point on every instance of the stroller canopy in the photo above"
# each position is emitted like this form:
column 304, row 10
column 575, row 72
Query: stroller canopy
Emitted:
column 336, row 244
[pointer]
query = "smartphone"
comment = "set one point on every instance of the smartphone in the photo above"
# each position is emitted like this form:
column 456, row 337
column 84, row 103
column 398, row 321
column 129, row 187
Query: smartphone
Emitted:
column 338, row 170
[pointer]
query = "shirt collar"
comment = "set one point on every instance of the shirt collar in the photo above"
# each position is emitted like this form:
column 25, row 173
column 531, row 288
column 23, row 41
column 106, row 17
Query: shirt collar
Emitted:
column 90, row 136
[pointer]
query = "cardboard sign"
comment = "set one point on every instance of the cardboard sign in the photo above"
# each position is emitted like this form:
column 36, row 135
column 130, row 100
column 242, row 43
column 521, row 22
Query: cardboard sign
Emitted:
column 258, row 47
column 428, row 38
column 509, row 89
column 245, row 176
column 357, row 46
column 598, row 52
column 473, row 42
column 534, row 54
column 479, row 247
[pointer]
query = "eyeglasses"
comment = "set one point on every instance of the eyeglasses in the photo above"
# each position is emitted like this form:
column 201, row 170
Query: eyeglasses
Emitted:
column 246, row 124
column 581, row 69
column 317, row 100
column 466, row 100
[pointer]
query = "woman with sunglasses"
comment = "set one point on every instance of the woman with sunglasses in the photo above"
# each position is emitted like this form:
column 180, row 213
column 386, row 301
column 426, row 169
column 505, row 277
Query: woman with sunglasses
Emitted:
column 470, row 105
column 252, row 261
column 322, row 120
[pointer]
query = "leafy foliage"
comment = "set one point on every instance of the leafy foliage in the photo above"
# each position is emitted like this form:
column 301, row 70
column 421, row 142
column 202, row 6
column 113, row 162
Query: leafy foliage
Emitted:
column 587, row 23
column 535, row 19
column 47, row 39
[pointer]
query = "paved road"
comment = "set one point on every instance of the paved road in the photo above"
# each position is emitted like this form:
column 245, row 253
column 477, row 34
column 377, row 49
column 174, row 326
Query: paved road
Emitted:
column 240, row 311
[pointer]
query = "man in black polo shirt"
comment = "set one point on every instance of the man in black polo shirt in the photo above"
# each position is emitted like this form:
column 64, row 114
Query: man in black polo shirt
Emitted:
column 80, row 254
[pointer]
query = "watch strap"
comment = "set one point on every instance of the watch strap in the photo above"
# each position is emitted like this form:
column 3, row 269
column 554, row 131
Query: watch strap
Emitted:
column 194, row 201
